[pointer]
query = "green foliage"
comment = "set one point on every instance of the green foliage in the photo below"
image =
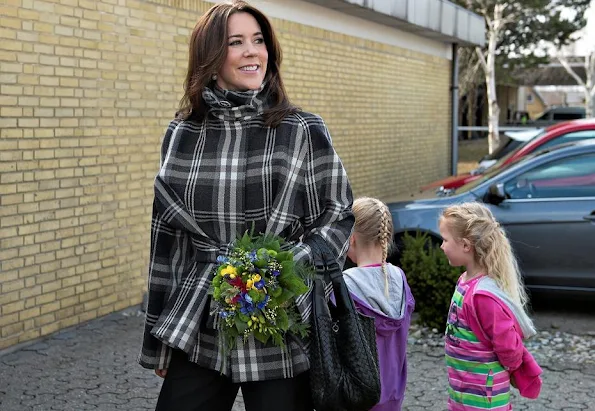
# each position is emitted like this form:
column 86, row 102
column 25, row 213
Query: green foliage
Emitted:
column 531, row 25
column 254, row 289
column 431, row 278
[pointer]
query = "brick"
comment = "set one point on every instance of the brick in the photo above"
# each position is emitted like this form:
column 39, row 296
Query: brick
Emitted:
column 51, row 307
column 15, row 307
column 15, row 285
column 50, row 328
column 11, row 242
column 30, row 292
column 29, row 313
column 12, row 329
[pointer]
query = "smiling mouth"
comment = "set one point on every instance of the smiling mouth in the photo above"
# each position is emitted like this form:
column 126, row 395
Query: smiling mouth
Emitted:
column 250, row 69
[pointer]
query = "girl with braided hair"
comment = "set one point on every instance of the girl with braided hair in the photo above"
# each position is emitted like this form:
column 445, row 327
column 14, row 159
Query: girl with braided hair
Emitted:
column 487, row 320
column 379, row 289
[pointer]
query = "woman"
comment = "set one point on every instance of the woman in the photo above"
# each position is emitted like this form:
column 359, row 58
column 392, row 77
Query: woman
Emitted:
column 237, row 156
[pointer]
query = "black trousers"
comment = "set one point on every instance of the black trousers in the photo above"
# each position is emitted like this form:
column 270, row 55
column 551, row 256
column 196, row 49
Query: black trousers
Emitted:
column 190, row 387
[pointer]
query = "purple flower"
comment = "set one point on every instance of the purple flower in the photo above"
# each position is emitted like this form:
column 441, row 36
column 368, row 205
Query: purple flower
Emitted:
column 275, row 273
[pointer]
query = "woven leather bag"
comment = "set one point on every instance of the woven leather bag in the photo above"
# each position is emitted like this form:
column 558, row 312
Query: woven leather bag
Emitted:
column 344, row 374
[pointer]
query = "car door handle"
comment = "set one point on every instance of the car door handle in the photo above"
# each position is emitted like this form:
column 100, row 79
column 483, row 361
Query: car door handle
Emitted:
column 590, row 217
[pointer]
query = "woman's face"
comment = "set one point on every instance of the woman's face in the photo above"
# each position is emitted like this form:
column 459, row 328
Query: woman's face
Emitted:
column 246, row 62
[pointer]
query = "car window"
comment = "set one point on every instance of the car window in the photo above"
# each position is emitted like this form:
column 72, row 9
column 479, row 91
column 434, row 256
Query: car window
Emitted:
column 569, row 138
column 491, row 172
column 506, row 146
column 568, row 116
column 569, row 177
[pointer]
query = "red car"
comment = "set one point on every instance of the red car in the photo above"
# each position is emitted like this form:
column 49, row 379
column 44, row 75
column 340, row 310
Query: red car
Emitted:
column 560, row 133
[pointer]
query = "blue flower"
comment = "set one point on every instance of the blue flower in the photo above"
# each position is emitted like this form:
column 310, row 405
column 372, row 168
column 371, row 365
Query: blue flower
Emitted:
column 263, row 303
column 222, row 259
column 247, row 309
column 225, row 314
column 275, row 273
column 252, row 256
column 259, row 284
column 246, row 304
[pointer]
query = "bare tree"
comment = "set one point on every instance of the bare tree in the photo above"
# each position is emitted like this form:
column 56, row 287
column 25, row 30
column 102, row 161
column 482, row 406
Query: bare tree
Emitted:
column 588, row 84
column 495, row 24
column 497, row 17
column 516, row 29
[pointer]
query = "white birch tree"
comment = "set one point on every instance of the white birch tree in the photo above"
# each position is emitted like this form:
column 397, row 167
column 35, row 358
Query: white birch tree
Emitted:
column 515, row 30
column 495, row 24
column 587, row 84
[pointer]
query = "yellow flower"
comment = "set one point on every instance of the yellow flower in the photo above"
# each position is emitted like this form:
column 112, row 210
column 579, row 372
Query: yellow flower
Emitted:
column 231, row 270
column 256, row 278
column 249, row 284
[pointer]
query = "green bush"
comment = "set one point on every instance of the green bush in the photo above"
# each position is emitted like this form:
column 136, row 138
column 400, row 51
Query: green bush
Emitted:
column 431, row 278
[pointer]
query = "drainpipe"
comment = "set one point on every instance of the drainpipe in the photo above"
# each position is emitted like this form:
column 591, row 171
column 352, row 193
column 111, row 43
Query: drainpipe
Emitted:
column 454, row 103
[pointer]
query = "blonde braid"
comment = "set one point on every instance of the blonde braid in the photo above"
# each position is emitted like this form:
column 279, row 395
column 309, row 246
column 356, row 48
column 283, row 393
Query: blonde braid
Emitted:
column 374, row 229
column 383, row 237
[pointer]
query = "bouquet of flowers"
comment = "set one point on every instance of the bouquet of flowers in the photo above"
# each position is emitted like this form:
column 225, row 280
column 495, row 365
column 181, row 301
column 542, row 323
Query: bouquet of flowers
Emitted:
column 254, row 290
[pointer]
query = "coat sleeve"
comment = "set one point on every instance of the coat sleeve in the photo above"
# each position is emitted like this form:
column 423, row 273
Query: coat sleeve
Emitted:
column 327, row 198
column 500, row 329
column 155, row 354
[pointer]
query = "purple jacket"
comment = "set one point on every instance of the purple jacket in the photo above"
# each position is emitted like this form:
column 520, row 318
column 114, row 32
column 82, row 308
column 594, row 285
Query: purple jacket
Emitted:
column 391, row 340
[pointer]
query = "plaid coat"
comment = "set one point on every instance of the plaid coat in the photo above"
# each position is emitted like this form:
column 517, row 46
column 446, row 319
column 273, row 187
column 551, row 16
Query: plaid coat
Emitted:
column 216, row 179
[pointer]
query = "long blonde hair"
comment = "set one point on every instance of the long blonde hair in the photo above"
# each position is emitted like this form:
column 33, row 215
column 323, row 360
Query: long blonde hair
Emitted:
column 475, row 222
column 374, row 226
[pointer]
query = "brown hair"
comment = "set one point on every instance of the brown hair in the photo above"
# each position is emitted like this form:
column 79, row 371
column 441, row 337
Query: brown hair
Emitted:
column 207, row 53
column 475, row 222
column 374, row 226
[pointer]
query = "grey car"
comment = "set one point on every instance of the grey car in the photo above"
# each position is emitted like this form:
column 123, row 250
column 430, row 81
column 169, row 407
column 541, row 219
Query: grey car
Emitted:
column 545, row 202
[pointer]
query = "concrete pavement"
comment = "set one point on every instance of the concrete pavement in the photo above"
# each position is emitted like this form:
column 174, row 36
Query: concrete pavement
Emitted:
column 93, row 367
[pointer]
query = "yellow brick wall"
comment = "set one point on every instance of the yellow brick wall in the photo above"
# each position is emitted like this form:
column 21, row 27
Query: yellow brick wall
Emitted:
column 86, row 90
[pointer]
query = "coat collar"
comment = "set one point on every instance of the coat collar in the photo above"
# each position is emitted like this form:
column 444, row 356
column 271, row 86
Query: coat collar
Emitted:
column 235, row 105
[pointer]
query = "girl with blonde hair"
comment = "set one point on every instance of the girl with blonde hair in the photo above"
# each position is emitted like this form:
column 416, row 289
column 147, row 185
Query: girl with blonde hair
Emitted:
column 379, row 289
column 487, row 320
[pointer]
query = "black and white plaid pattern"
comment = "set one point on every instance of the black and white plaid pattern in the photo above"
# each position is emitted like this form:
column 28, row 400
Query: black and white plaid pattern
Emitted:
column 218, row 178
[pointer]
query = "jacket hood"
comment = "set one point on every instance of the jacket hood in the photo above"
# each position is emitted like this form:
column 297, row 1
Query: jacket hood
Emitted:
column 366, row 286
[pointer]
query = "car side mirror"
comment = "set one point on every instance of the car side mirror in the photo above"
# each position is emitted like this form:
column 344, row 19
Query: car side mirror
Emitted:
column 495, row 194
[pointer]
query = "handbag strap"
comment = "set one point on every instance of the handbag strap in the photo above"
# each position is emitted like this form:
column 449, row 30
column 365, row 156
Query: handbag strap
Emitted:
column 328, row 268
column 325, row 262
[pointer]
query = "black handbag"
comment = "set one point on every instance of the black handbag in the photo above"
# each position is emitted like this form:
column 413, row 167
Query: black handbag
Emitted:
column 344, row 374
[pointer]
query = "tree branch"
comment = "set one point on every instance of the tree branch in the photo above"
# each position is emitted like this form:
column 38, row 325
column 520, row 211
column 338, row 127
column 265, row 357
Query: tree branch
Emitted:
column 482, row 59
column 570, row 70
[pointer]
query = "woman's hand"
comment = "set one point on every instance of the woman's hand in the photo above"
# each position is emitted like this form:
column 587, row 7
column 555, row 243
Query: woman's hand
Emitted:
column 161, row 373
